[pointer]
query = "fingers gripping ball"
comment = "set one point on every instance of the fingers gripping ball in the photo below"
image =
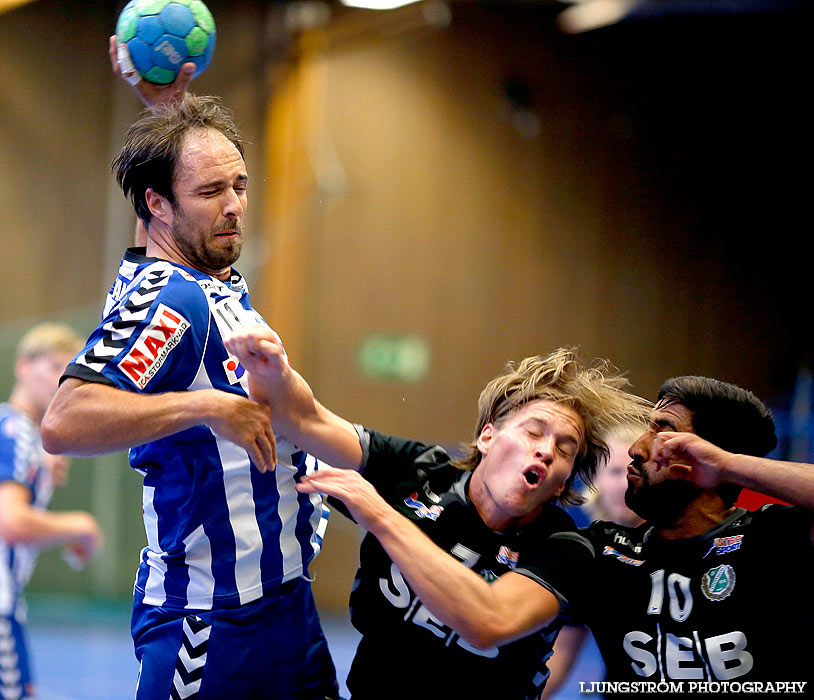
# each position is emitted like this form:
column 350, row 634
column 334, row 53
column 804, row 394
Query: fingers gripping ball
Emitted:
column 163, row 35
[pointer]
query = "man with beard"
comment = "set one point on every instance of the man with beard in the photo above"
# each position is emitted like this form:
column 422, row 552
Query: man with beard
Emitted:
column 705, row 597
column 223, row 607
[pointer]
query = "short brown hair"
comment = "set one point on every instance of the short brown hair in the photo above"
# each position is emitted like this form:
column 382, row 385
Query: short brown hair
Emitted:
column 597, row 394
column 152, row 149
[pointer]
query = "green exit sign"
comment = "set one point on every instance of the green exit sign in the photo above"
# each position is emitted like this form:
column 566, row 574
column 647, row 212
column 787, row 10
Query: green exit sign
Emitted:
column 404, row 358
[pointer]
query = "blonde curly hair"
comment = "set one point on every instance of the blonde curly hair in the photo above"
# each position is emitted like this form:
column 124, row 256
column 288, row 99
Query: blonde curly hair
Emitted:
column 597, row 393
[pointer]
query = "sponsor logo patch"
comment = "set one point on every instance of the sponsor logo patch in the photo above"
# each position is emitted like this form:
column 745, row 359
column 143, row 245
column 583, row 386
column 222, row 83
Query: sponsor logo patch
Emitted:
column 507, row 557
column 718, row 582
column 611, row 552
column 421, row 510
column 234, row 370
column 153, row 346
column 728, row 544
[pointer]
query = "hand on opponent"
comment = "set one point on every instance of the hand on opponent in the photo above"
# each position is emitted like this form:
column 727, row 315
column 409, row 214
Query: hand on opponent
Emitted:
column 271, row 378
column 691, row 457
column 364, row 503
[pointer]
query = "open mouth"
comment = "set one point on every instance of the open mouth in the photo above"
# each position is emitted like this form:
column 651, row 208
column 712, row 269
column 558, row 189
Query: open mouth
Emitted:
column 532, row 477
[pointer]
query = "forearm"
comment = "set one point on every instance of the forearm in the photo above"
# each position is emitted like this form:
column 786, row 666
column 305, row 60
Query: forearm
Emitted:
column 88, row 419
column 483, row 614
column 297, row 416
column 41, row 528
column 327, row 436
column 792, row 482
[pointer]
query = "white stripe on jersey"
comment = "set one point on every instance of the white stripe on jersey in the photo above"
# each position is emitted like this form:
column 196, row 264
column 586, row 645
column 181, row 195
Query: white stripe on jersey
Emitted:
column 122, row 285
column 8, row 589
column 198, row 557
column 237, row 482
column 152, row 554
column 319, row 518
column 287, row 509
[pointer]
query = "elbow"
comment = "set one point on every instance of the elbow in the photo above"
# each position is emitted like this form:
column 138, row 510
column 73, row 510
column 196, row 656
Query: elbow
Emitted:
column 481, row 641
column 10, row 532
column 485, row 635
column 52, row 434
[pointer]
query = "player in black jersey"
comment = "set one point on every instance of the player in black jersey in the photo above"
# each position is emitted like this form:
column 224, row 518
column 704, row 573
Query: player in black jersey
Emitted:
column 705, row 597
column 464, row 578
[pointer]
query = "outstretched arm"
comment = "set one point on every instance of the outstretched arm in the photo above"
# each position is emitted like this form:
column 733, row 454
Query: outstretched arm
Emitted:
column 295, row 413
column 698, row 460
column 86, row 419
column 708, row 466
column 23, row 523
column 483, row 614
column 149, row 93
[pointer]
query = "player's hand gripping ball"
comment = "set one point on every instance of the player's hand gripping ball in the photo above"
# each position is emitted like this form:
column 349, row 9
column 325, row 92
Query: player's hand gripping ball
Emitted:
column 163, row 35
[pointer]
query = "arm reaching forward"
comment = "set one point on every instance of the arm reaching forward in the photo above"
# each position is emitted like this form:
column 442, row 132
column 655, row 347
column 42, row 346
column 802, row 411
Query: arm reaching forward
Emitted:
column 295, row 413
column 484, row 614
column 698, row 460
column 23, row 523
column 708, row 466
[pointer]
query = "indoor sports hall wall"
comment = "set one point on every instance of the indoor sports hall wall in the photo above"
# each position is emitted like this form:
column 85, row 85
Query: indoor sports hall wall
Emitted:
column 446, row 193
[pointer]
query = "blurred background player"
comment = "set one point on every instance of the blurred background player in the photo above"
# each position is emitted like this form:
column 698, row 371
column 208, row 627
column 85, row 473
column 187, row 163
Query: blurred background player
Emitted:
column 27, row 478
column 604, row 500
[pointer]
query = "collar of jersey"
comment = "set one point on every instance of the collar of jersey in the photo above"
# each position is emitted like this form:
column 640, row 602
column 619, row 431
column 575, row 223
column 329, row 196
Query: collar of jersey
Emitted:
column 139, row 256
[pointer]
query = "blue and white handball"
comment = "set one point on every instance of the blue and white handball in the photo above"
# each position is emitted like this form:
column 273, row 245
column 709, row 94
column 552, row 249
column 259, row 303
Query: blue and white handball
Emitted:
column 163, row 35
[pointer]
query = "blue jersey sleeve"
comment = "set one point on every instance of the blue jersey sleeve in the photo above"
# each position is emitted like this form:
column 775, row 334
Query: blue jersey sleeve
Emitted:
column 153, row 341
column 17, row 450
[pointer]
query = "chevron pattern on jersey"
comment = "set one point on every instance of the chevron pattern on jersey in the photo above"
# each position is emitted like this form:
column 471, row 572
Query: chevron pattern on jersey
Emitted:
column 10, row 686
column 191, row 660
column 133, row 311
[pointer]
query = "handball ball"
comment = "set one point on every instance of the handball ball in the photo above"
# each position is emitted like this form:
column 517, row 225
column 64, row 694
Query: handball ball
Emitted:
column 163, row 35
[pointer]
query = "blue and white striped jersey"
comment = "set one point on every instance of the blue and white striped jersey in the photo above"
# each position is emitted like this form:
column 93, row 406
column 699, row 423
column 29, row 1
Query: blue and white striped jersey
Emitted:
column 21, row 461
column 219, row 533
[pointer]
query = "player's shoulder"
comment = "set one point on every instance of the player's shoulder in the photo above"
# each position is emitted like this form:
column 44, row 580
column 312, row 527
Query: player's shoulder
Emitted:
column 161, row 282
column 602, row 533
column 771, row 518
column 421, row 455
column 554, row 519
column 401, row 463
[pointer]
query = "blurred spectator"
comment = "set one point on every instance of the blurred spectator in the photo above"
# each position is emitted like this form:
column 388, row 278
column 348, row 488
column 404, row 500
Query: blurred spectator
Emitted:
column 27, row 478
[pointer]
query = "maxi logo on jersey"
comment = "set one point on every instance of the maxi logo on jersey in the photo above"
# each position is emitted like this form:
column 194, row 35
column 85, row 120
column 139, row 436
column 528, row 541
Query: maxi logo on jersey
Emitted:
column 421, row 510
column 152, row 347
